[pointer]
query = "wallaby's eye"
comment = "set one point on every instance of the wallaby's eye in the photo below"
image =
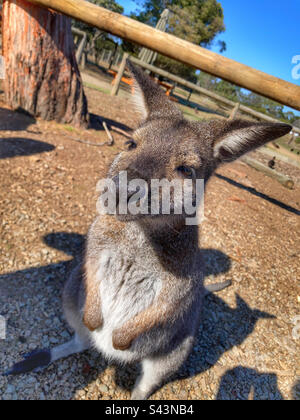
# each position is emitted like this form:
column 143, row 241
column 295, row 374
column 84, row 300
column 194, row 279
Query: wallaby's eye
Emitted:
column 187, row 171
column 131, row 144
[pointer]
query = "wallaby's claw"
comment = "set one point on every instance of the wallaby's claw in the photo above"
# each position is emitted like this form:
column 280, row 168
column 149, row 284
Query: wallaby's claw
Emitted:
column 33, row 361
column 217, row 287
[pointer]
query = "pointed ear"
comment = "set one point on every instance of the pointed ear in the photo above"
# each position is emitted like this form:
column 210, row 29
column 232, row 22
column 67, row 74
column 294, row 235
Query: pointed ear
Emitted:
column 149, row 99
column 237, row 137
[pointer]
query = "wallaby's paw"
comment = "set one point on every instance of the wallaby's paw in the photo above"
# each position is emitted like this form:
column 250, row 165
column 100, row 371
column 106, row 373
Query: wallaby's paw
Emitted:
column 34, row 361
column 120, row 340
column 138, row 394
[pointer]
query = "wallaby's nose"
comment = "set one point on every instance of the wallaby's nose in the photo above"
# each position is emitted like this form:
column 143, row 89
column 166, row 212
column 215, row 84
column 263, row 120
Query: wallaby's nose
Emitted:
column 116, row 180
column 125, row 189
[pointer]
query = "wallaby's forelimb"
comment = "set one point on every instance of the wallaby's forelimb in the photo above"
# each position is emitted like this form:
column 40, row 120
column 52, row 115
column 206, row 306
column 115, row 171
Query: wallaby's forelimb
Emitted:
column 92, row 316
column 157, row 314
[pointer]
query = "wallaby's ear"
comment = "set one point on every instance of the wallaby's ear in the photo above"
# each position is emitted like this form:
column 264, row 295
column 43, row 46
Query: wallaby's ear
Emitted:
column 149, row 99
column 235, row 138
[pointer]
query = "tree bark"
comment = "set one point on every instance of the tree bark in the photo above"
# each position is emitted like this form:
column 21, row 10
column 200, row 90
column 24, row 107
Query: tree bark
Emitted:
column 42, row 75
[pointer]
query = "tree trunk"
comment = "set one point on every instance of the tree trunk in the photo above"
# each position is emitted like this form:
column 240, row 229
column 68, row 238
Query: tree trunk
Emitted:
column 42, row 75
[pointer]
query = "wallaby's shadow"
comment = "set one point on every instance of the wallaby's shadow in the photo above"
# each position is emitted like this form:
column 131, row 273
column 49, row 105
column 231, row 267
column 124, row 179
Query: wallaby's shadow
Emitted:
column 70, row 243
column 296, row 390
column 243, row 383
column 31, row 304
column 220, row 330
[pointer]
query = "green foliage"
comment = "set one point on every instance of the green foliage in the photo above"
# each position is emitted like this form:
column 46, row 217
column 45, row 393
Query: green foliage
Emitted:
column 100, row 40
column 175, row 67
column 267, row 106
column 196, row 21
column 108, row 4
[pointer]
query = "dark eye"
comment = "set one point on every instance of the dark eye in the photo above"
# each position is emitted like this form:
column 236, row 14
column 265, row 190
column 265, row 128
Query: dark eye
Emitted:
column 131, row 144
column 186, row 171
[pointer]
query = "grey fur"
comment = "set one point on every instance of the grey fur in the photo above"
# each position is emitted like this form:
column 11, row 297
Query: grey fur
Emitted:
column 141, row 285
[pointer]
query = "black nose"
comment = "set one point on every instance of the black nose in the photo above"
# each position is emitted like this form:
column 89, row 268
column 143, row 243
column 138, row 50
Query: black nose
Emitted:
column 124, row 188
column 116, row 180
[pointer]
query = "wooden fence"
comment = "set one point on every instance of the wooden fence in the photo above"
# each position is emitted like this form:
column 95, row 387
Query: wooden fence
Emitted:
column 178, row 49
column 196, row 88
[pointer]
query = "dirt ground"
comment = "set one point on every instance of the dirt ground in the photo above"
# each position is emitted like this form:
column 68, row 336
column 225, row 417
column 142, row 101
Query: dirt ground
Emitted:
column 245, row 347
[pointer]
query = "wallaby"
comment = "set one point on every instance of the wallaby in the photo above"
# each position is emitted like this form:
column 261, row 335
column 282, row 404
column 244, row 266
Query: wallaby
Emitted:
column 138, row 294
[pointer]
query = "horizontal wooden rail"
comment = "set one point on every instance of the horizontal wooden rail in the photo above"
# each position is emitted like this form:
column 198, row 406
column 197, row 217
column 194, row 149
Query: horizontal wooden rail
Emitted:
column 178, row 49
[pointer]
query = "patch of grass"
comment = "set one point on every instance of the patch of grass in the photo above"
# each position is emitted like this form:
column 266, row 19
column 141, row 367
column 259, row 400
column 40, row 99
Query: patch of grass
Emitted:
column 190, row 114
column 69, row 128
column 99, row 89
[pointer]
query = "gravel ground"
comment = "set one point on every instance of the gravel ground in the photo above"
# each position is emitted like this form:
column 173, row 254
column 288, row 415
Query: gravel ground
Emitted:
column 244, row 348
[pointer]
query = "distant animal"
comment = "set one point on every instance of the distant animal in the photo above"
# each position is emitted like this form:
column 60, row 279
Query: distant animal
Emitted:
column 138, row 294
column 271, row 163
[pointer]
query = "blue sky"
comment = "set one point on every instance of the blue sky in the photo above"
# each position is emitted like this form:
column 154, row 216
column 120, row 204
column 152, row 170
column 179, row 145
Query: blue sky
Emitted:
column 264, row 34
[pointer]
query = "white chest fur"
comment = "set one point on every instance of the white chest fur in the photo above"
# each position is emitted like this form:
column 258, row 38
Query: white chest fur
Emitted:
column 126, row 288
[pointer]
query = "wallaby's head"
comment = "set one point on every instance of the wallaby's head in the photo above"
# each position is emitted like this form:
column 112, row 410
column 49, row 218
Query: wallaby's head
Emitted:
column 167, row 146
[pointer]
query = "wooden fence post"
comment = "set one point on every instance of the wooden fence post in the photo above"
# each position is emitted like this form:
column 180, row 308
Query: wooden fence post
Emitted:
column 116, row 85
column 234, row 111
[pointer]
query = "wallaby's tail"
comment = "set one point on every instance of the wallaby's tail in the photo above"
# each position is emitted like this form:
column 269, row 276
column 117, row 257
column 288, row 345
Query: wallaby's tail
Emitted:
column 41, row 359
column 38, row 359
column 217, row 287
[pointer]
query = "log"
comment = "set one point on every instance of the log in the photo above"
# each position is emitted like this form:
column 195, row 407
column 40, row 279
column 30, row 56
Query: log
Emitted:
column 42, row 76
column 286, row 181
column 179, row 49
